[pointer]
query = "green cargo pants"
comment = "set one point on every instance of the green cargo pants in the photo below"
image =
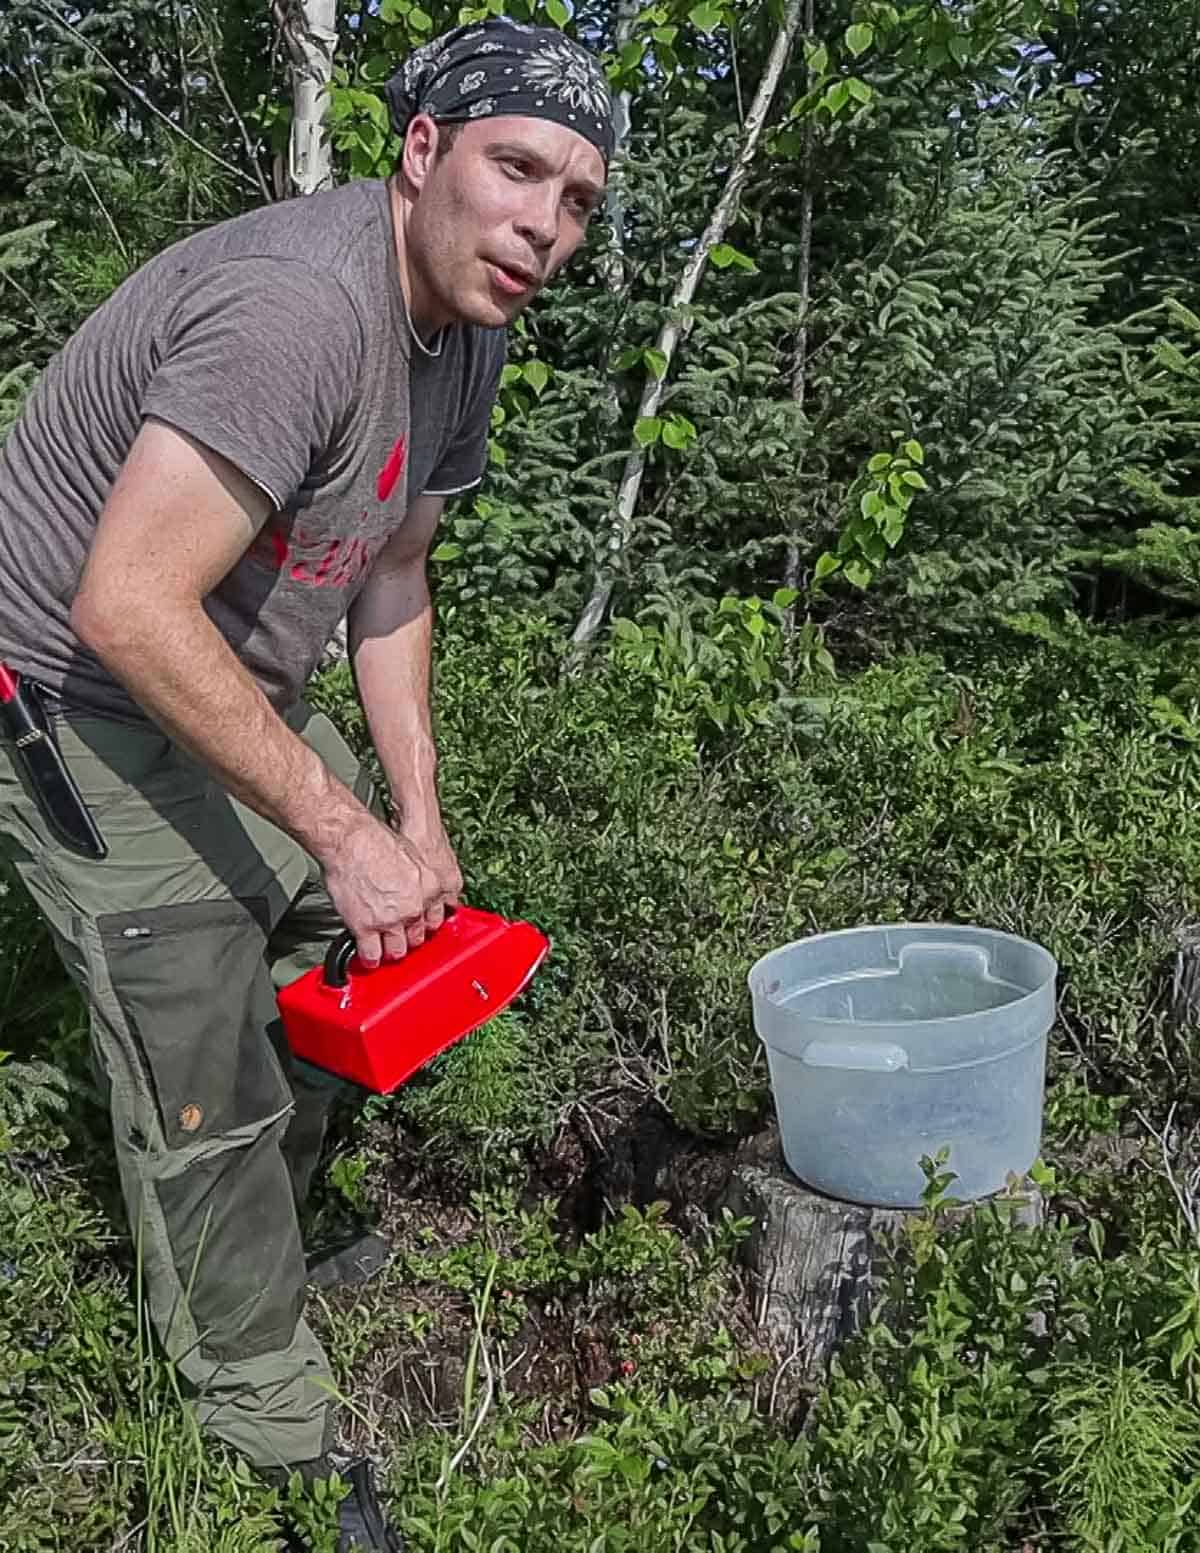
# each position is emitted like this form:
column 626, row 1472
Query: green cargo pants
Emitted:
column 178, row 939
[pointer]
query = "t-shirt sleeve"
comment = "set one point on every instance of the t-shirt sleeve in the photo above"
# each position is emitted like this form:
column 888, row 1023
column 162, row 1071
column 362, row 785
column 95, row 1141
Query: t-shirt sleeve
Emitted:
column 465, row 460
column 259, row 360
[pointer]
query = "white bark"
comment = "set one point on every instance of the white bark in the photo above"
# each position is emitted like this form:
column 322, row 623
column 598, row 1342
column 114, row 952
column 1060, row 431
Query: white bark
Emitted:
column 677, row 326
column 309, row 29
column 614, row 201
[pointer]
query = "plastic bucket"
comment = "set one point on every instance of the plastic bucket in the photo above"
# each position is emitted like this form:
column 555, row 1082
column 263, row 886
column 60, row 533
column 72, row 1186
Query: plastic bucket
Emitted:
column 887, row 1043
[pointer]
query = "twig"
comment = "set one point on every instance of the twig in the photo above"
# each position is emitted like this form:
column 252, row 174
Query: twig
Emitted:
column 185, row 100
column 480, row 1346
column 779, row 1374
column 7, row 278
column 1187, row 1191
column 247, row 142
column 123, row 1542
column 136, row 91
column 73, row 152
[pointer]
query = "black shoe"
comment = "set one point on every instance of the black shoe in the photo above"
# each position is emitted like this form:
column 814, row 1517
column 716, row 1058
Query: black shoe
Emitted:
column 349, row 1265
column 362, row 1525
column 361, row 1520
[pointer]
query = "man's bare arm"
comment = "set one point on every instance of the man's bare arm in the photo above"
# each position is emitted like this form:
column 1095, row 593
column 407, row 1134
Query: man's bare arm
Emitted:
column 178, row 519
column 390, row 638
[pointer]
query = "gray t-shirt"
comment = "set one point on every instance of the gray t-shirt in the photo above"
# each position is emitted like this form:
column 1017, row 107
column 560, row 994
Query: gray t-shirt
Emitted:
column 280, row 340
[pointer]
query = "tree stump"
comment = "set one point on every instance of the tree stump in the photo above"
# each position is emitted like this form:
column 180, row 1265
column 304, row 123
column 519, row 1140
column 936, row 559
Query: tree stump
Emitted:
column 813, row 1258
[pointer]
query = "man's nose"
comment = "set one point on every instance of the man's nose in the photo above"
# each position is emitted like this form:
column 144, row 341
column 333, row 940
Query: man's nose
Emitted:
column 537, row 220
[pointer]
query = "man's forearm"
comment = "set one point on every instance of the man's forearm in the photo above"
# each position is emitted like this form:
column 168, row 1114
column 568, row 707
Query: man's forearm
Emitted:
column 391, row 641
column 178, row 667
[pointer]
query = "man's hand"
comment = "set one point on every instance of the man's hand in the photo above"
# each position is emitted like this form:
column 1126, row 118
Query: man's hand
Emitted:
column 384, row 891
column 432, row 845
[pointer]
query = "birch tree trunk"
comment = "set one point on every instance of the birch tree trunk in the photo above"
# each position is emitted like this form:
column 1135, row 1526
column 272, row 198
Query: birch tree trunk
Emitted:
column 614, row 200
column 676, row 328
column 309, row 29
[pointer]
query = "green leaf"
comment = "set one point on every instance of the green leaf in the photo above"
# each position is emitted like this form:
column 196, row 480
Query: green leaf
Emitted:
column 836, row 97
column 858, row 573
column 648, row 430
column 536, row 374
column 392, row 11
column 627, row 358
column 665, row 35
column 915, row 451
column 419, row 20
column 706, row 17
column 918, row 482
column 447, row 552
column 656, row 362
column 859, row 90
column 557, row 12
column 632, row 54
column 859, row 38
column 722, row 255
column 878, row 461
column 817, row 59
column 870, row 503
column 826, row 564
column 960, row 48
column 678, row 432
column 784, row 598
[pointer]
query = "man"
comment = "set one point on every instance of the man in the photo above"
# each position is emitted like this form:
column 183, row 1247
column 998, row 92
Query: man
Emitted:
column 254, row 436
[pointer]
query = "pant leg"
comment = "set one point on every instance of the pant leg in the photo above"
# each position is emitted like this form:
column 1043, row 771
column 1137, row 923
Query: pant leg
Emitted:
column 168, row 937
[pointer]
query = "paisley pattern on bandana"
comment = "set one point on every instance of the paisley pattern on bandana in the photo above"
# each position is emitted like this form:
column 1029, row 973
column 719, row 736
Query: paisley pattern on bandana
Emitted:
column 505, row 67
column 560, row 70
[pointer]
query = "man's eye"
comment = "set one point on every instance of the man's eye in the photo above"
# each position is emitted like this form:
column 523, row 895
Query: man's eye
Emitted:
column 518, row 169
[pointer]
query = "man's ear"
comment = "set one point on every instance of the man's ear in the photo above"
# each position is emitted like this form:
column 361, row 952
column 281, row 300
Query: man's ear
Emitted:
column 420, row 149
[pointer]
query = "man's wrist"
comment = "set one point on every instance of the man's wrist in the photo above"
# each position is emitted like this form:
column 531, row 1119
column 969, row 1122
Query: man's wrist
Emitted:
column 417, row 821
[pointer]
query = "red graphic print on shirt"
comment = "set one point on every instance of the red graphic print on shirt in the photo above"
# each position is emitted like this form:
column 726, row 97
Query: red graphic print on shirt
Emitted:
column 283, row 544
column 310, row 558
column 392, row 470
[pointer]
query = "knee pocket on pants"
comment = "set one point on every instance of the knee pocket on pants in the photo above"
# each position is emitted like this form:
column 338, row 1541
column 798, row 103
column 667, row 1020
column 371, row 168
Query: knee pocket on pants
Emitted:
column 230, row 1222
column 196, row 997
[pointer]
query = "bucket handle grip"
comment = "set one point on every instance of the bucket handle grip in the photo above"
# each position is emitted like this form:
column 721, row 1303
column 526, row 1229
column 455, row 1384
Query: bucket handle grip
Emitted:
column 862, row 1056
column 970, row 959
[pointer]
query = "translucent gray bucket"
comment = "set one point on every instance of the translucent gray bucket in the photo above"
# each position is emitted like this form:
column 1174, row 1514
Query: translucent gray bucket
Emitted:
column 886, row 1043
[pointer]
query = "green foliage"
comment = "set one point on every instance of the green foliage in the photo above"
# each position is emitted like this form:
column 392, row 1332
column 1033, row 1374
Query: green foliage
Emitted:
column 477, row 1094
column 884, row 492
column 30, row 1093
column 653, row 1473
column 1127, row 1449
column 717, row 668
column 1164, row 552
column 706, row 788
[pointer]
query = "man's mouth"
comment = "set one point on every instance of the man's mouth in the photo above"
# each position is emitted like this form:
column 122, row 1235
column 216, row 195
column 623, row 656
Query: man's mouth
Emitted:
column 513, row 279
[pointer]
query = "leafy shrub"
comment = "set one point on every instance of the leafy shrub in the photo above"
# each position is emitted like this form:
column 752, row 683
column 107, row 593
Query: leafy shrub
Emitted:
column 1127, row 1449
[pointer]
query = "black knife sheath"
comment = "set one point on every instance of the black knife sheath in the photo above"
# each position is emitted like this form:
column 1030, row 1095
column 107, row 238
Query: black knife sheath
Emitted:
column 27, row 729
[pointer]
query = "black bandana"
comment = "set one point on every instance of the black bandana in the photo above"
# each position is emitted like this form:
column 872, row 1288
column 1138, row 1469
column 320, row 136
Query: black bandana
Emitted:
column 499, row 66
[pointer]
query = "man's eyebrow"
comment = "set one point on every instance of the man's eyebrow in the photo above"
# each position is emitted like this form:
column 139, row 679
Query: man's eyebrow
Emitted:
column 526, row 154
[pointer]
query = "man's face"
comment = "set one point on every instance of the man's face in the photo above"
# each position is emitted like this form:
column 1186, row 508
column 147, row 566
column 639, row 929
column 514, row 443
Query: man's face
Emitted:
column 495, row 216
